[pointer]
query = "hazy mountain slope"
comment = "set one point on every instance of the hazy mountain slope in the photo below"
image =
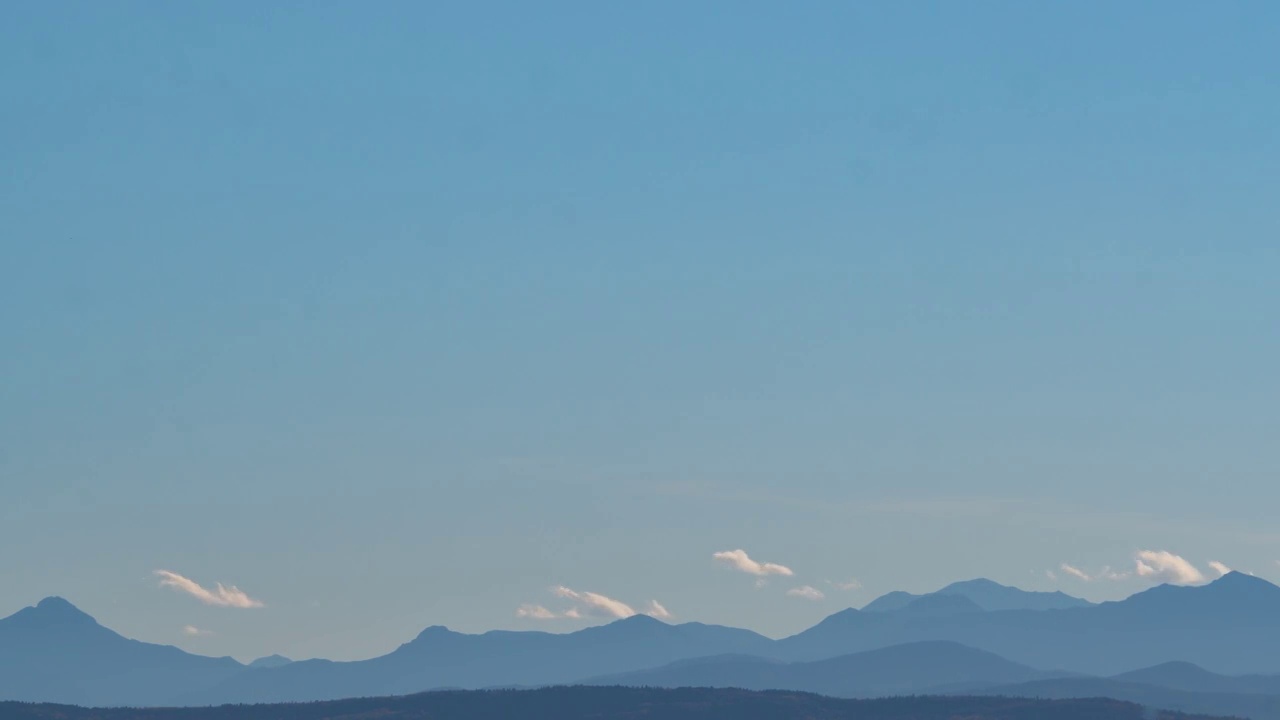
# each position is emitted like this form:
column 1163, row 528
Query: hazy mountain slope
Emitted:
column 1186, row 676
column 902, row 669
column 986, row 594
column 990, row 595
column 1243, row 705
column 270, row 661
column 53, row 651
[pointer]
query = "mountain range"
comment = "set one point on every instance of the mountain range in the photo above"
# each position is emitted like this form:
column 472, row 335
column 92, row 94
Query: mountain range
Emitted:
column 975, row 636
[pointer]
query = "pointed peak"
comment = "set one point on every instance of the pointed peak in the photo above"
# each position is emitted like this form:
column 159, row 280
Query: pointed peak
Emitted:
column 1235, row 578
column 270, row 661
column 974, row 583
column 52, row 612
column 60, row 607
column 639, row 619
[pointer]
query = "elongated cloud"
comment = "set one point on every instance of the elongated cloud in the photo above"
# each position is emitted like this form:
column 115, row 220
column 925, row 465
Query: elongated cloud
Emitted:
column 194, row 631
column 808, row 592
column 850, row 584
column 221, row 596
column 739, row 560
column 656, row 609
column 535, row 612
column 1219, row 568
column 1164, row 566
column 596, row 604
column 1075, row 572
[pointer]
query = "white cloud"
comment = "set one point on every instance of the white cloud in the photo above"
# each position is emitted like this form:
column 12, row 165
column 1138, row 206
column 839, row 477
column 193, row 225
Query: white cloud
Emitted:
column 535, row 612
column 1051, row 575
column 1109, row 574
column 1106, row 573
column 850, row 584
column 573, row 614
column 741, row 561
column 222, row 596
column 1075, row 572
column 595, row 603
column 657, row 610
column 807, row 592
column 1164, row 566
column 1219, row 568
column 194, row 631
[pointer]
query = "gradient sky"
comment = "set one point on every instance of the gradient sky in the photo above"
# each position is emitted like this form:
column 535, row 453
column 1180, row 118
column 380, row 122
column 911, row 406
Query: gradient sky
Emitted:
column 400, row 314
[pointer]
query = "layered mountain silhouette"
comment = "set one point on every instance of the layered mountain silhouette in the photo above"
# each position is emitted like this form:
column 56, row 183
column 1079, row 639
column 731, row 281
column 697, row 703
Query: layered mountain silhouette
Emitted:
column 55, row 652
column 1186, row 676
column 441, row 658
column 914, row 668
column 1231, row 625
column 948, row 641
column 1242, row 705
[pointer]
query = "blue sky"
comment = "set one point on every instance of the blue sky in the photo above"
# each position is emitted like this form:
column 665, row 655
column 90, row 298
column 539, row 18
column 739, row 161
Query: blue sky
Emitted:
column 410, row 313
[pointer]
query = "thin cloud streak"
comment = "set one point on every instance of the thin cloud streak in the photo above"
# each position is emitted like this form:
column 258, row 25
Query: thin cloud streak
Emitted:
column 1075, row 572
column 739, row 560
column 657, row 610
column 595, row 603
column 220, row 596
column 534, row 612
column 806, row 592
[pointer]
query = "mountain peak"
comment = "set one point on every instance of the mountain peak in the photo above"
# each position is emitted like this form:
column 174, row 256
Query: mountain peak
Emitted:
column 53, row 603
column 641, row 620
column 271, row 661
column 53, row 611
column 1237, row 579
column 975, row 583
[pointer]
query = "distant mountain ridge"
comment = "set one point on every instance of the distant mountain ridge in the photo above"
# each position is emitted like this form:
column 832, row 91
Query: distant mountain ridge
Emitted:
column 1231, row 625
column 913, row 668
column 986, row 594
column 55, row 652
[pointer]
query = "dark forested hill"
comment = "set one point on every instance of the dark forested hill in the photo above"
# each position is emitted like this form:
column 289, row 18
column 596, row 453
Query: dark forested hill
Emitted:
column 614, row 703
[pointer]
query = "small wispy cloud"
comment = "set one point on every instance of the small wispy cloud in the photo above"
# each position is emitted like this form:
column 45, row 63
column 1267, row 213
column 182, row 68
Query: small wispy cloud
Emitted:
column 1219, row 568
column 807, row 592
column 1051, row 575
column 656, row 609
column 221, row 595
column 589, row 604
column 596, row 604
column 850, row 584
column 1108, row 574
column 1075, row 572
column 739, row 560
column 1164, row 566
column 535, row 612
column 193, row 631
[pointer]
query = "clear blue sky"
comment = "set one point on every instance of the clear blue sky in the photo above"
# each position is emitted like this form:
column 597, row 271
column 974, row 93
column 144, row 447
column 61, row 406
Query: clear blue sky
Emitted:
column 399, row 314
